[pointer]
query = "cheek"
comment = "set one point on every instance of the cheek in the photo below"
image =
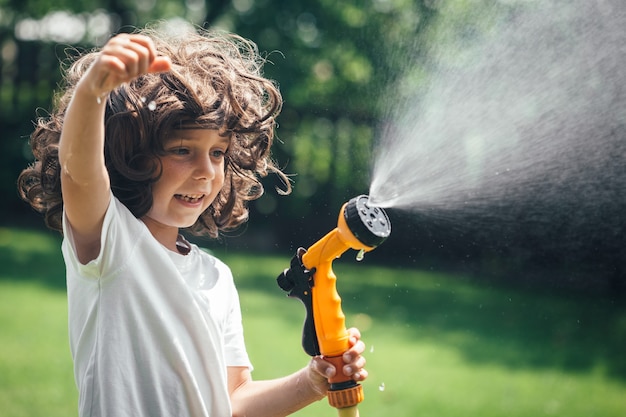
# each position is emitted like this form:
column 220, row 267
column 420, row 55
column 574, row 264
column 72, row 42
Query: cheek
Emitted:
column 220, row 173
column 218, row 182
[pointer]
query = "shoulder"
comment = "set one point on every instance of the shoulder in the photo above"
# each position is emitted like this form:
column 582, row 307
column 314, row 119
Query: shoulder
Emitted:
column 206, row 255
column 120, row 234
column 222, row 269
column 204, row 269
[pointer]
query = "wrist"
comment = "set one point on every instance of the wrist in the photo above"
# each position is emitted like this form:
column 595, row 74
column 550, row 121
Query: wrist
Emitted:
column 92, row 85
column 86, row 94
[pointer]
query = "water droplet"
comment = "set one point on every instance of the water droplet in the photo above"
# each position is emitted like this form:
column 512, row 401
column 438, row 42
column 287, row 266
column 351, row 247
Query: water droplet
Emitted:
column 152, row 106
column 381, row 387
column 360, row 255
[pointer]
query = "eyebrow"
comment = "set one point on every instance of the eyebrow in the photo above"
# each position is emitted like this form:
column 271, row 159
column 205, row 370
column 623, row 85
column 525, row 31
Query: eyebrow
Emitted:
column 182, row 137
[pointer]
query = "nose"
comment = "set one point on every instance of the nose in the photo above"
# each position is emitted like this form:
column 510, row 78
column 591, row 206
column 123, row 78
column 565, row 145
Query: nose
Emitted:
column 204, row 168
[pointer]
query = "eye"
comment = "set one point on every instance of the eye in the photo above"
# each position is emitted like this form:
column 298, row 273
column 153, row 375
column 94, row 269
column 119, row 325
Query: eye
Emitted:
column 179, row 151
column 218, row 153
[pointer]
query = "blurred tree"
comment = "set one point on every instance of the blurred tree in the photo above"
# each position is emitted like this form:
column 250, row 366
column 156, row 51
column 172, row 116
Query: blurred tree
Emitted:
column 343, row 67
column 333, row 62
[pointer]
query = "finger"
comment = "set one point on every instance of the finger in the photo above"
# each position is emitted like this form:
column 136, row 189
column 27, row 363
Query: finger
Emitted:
column 359, row 347
column 134, row 51
column 352, row 366
column 144, row 42
column 355, row 366
column 120, row 59
column 360, row 362
column 356, row 374
column 355, row 336
column 361, row 375
column 160, row 64
column 354, row 333
column 125, row 40
column 354, row 352
column 136, row 57
column 145, row 50
column 110, row 65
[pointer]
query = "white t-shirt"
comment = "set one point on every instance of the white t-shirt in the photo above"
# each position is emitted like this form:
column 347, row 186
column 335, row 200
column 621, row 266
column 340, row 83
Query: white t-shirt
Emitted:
column 151, row 331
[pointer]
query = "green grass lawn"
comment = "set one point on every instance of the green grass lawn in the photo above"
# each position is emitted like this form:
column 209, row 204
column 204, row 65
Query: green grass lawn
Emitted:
column 438, row 345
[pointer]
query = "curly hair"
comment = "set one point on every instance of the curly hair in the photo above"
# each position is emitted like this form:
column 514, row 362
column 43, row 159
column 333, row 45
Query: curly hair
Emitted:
column 215, row 83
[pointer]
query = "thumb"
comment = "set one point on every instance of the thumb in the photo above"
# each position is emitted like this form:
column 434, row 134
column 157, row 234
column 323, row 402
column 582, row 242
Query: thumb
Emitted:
column 318, row 373
column 324, row 368
column 160, row 64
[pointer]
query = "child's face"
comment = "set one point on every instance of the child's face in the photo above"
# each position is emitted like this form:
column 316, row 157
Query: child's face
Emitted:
column 193, row 175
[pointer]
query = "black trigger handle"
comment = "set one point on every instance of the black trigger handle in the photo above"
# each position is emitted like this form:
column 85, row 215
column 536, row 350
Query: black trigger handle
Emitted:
column 298, row 281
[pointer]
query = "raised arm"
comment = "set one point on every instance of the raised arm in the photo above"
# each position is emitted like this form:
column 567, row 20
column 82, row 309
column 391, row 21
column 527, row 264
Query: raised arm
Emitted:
column 84, row 180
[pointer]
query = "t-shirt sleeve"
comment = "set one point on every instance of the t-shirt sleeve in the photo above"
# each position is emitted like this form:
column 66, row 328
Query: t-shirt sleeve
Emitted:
column 235, row 352
column 117, row 241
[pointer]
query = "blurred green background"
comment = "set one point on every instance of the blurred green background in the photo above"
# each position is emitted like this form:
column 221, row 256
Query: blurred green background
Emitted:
column 342, row 68
column 437, row 344
column 459, row 321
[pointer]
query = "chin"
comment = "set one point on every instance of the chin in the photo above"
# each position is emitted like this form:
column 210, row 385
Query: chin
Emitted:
column 186, row 225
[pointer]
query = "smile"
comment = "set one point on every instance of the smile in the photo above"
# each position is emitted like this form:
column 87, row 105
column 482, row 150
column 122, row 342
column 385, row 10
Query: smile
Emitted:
column 190, row 198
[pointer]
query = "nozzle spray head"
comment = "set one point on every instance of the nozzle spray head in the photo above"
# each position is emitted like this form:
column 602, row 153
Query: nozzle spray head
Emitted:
column 368, row 223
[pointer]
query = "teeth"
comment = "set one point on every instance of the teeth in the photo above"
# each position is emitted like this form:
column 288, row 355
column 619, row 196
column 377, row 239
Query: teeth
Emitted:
column 191, row 198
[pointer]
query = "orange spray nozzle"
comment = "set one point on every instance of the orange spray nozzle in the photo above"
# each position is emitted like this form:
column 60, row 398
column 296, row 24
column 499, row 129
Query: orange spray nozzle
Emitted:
column 312, row 280
column 359, row 227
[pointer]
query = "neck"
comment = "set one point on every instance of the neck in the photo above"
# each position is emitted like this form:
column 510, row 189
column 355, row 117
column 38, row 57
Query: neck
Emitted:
column 164, row 234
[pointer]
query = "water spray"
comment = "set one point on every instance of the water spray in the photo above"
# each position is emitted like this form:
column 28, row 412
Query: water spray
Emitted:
column 310, row 278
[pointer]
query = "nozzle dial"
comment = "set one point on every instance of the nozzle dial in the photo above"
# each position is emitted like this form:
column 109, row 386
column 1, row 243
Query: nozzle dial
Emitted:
column 369, row 224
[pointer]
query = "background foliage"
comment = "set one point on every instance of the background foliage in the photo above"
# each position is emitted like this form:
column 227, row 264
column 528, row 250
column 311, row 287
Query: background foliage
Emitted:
column 339, row 65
